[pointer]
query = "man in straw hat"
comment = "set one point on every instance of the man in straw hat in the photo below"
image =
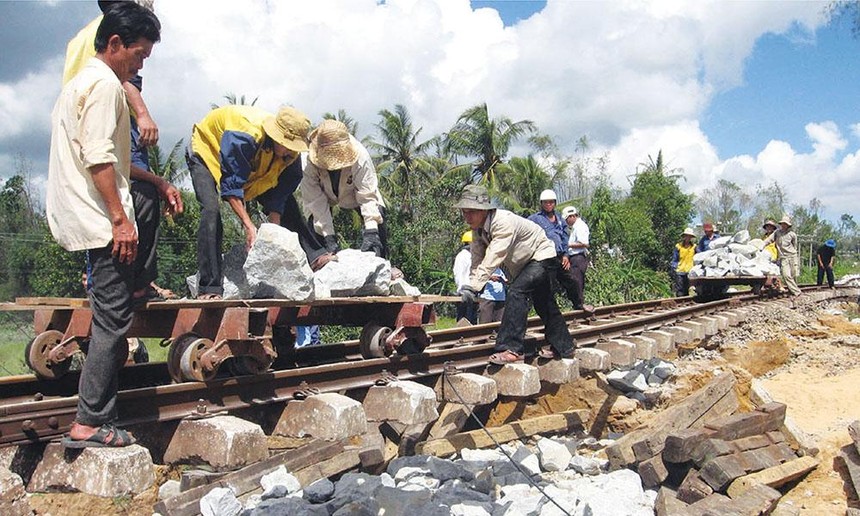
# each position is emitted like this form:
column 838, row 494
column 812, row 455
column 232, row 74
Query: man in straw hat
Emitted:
column 682, row 262
column 340, row 173
column 89, row 207
column 522, row 250
column 241, row 153
column 769, row 227
column 786, row 245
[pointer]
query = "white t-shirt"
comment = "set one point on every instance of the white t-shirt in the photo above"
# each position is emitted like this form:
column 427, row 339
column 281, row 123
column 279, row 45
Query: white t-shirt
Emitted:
column 578, row 233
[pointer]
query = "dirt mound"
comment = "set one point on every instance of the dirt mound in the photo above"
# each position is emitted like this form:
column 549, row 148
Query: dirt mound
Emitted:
column 759, row 357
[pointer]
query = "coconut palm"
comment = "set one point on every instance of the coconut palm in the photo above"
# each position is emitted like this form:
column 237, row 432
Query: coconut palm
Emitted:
column 341, row 116
column 476, row 134
column 170, row 167
column 234, row 100
column 520, row 185
column 400, row 157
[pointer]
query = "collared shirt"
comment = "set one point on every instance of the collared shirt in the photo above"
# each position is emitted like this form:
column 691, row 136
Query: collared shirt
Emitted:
column 705, row 242
column 462, row 266
column 509, row 242
column 682, row 258
column 555, row 231
column 358, row 187
column 579, row 233
column 89, row 126
column 786, row 242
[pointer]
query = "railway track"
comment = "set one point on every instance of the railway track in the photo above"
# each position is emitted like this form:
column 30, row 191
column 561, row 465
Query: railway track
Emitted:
column 34, row 410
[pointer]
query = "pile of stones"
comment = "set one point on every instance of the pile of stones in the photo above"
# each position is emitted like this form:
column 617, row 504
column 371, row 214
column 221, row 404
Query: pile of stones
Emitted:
column 276, row 268
column 642, row 377
column 516, row 479
column 736, row 255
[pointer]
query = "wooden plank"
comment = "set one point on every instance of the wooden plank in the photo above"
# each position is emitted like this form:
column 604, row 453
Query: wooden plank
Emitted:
column 526, row 428
column 677, row 417
column 775, row 476
column 248, row 478
column 452, row 418
column 344, row 461
column 802, row 441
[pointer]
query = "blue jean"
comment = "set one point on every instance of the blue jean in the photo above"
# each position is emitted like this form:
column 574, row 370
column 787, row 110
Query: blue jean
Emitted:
column 533, row 285
column 111, row 304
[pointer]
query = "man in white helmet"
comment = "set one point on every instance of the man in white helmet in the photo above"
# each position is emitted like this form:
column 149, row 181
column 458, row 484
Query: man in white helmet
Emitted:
column 556, row 230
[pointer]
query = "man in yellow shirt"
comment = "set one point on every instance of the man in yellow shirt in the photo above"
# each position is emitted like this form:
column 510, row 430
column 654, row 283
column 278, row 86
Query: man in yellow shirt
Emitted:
column 682, row 262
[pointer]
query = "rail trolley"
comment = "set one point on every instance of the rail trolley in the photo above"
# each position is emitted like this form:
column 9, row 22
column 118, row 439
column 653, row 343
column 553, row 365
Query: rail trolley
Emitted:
column 247, row 335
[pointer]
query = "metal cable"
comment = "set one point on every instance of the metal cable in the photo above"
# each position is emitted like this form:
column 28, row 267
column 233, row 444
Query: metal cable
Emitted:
column 519, row 468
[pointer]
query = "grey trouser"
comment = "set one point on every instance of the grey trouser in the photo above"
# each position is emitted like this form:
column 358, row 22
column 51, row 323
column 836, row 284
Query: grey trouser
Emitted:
column 111, row 304
column 789, row 267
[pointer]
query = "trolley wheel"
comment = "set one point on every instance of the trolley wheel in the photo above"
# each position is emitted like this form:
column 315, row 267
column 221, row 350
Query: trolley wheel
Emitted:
column 36, row 355
column 372, row 341
column 183, row 359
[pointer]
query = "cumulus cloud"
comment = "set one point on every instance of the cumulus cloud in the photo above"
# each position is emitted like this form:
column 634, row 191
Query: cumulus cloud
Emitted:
column 633, row 76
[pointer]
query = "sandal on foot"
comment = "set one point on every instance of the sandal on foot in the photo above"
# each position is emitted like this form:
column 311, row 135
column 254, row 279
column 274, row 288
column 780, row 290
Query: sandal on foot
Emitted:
column 209, row 297
column 108, row 436
column 149, row 294
column 506, row 357
column 165, row 293
column 322, row 260
column 547, row 353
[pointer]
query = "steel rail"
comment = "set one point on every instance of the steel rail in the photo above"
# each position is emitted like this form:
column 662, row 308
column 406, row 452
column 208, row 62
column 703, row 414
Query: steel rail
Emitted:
column 47, row 419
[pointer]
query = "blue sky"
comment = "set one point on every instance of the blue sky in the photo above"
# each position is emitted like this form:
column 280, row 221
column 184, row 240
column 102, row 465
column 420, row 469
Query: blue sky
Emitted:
column 752, row 92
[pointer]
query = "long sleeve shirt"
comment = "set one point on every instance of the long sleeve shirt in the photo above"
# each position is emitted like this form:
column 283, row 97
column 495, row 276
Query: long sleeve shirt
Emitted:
column 357, row 187
column 786, row 242
column 556, row 230
column 462, row 267
column 509, row 242
column 90, row 126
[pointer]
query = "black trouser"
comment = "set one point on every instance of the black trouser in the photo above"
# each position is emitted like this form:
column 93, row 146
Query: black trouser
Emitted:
column 578, row 268
column 821, row 273
column 147, row 214
column 490, row 311
column 533, row 284
column 469, row 311
column 567, row 280
column 111, row 305
column 682, row 284
column 210, row 232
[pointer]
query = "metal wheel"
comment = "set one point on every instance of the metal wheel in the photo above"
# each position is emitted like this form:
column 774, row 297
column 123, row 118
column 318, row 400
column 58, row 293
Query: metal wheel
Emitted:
column 183, row 359
column 372, row 341
column 36, row 355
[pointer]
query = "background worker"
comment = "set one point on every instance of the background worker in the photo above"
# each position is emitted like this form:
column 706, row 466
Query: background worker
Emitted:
column 556, row 230
column 825, row 256
column 786, row 245
column 89, row 207
column 682, row 262
column 710, row 235
column 462, row 267
column 491, row 302
column 340, row 173
column 501, row 239
column 241, row 153
column 146, row 188
column 577, row 245
column 769, row 227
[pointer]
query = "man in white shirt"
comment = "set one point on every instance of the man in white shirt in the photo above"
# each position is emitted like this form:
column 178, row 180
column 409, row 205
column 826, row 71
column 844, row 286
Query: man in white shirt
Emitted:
column 462, row 268
column 578, row 252
column 89, row 207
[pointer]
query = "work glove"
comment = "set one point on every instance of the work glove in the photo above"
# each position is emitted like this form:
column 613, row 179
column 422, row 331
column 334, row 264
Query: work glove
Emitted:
column 468, row 294
column 331, row 243
column 370, row 241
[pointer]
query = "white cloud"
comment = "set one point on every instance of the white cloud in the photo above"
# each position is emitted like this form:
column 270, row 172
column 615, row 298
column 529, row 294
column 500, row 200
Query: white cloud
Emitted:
column 633, row 76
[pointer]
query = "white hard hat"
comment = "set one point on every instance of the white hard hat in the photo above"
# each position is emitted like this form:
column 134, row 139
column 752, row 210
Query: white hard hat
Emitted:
column 568, row 211
column 548, row 195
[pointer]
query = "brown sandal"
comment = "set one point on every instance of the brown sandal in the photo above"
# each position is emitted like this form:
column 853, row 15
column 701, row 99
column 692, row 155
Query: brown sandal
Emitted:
column 209, row 297
column 506, row 357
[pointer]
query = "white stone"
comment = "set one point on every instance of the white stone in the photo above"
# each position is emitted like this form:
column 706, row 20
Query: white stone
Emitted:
column 618, row 492
column 280, row 477
column 528, row 460
column 400, row 287
column 355, row 273
column 277, row 267
column 220, row 501
column 585, row 465
column 405, row 401
column 554, row 456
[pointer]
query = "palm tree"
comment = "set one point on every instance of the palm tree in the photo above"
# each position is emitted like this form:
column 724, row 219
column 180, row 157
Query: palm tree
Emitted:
column 399, row 154
column 521, row 184
column 234, row 100
column 341, row 116
column 476, row 134
column 170, row 167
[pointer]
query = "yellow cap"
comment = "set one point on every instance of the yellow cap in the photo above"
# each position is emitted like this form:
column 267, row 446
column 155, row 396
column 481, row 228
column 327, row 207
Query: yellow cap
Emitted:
column 467, row 237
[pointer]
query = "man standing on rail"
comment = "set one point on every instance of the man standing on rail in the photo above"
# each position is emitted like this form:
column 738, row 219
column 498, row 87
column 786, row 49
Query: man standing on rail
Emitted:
column 786, row 245
column 577, row 244
column 89, row 206
column 522, row 250
column 555, row 227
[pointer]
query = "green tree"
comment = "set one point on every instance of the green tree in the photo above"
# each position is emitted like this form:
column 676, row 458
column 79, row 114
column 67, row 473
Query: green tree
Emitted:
column 726, row 204
column 655, row 191
column 520, row 187
column 477, row 135
column 171, row 167
column 341, row 116
column 400, row 156
column 235, row 100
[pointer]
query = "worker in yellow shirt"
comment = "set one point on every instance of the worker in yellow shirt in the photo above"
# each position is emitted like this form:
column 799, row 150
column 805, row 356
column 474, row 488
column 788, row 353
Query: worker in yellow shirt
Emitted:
column 682, row 262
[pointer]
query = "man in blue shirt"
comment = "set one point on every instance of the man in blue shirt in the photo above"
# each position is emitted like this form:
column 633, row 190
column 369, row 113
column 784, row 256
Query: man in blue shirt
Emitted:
column 709, row 236
column 556, row 230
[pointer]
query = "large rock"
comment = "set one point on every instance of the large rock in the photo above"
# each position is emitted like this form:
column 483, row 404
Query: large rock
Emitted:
column 222, row 442
column 106, row 472
column 619, row 492
column 328, row 416
column 277, row 266
column 13, row 499
column 355, row 273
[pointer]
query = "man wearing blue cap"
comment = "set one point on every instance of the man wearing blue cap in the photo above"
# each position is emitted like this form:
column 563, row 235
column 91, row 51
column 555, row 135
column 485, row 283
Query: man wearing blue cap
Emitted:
column 826, row 254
